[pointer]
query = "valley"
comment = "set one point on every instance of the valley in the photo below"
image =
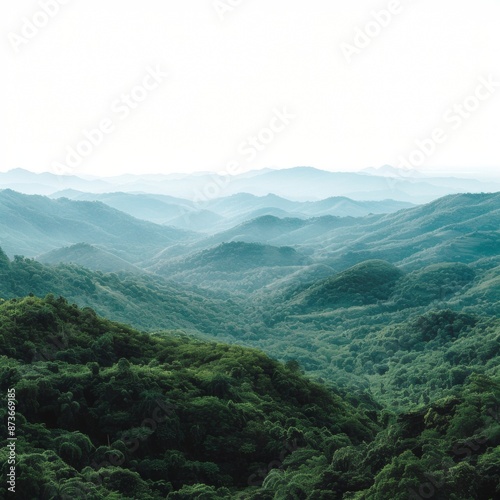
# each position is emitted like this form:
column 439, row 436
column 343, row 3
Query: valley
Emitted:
column 379, row 322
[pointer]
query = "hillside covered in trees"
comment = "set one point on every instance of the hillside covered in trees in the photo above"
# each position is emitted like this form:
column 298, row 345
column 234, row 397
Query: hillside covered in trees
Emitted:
column 382, row 331
column 104, row 411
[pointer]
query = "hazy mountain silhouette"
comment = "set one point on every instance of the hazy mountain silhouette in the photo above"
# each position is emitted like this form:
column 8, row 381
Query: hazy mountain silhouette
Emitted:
column 300, row 183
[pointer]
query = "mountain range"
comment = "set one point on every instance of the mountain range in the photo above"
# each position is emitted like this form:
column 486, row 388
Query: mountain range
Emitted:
column 380, row 320
column 456, row 228
column 227, row 212
column 299, row 184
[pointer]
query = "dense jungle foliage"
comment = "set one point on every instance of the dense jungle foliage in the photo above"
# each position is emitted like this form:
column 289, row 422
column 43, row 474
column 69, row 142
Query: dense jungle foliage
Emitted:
column 345, row 358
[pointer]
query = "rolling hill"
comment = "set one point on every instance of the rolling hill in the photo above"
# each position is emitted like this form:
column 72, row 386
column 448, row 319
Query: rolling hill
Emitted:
column 90, row 257
column 220, row 214
column 146, row 301
column 33, row 225
column 363, row 284
column 461, row 228
column 247, row 257
column 235, row 266
column 240, row 256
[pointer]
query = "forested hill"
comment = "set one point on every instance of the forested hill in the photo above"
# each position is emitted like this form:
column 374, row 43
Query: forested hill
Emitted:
column 456, row 228
column 104, row 411
column 144, row 300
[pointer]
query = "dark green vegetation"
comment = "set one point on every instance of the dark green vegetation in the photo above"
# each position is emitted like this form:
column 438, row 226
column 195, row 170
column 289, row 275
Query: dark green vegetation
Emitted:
column 106, row 412
column 363, row 284
column 396, row 317
column 144, row 300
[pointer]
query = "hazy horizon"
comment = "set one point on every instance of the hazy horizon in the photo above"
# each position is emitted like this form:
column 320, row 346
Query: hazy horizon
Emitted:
column 370, row 170
column 223, row 87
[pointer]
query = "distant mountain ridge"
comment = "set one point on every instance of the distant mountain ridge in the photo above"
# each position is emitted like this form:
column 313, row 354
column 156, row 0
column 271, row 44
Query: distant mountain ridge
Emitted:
column 299, row 183
column 249, row 255
column 33, row 225
column 224, row 213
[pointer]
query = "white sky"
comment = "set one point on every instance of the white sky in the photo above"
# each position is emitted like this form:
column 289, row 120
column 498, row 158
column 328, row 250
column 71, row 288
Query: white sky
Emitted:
column 227, row 76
